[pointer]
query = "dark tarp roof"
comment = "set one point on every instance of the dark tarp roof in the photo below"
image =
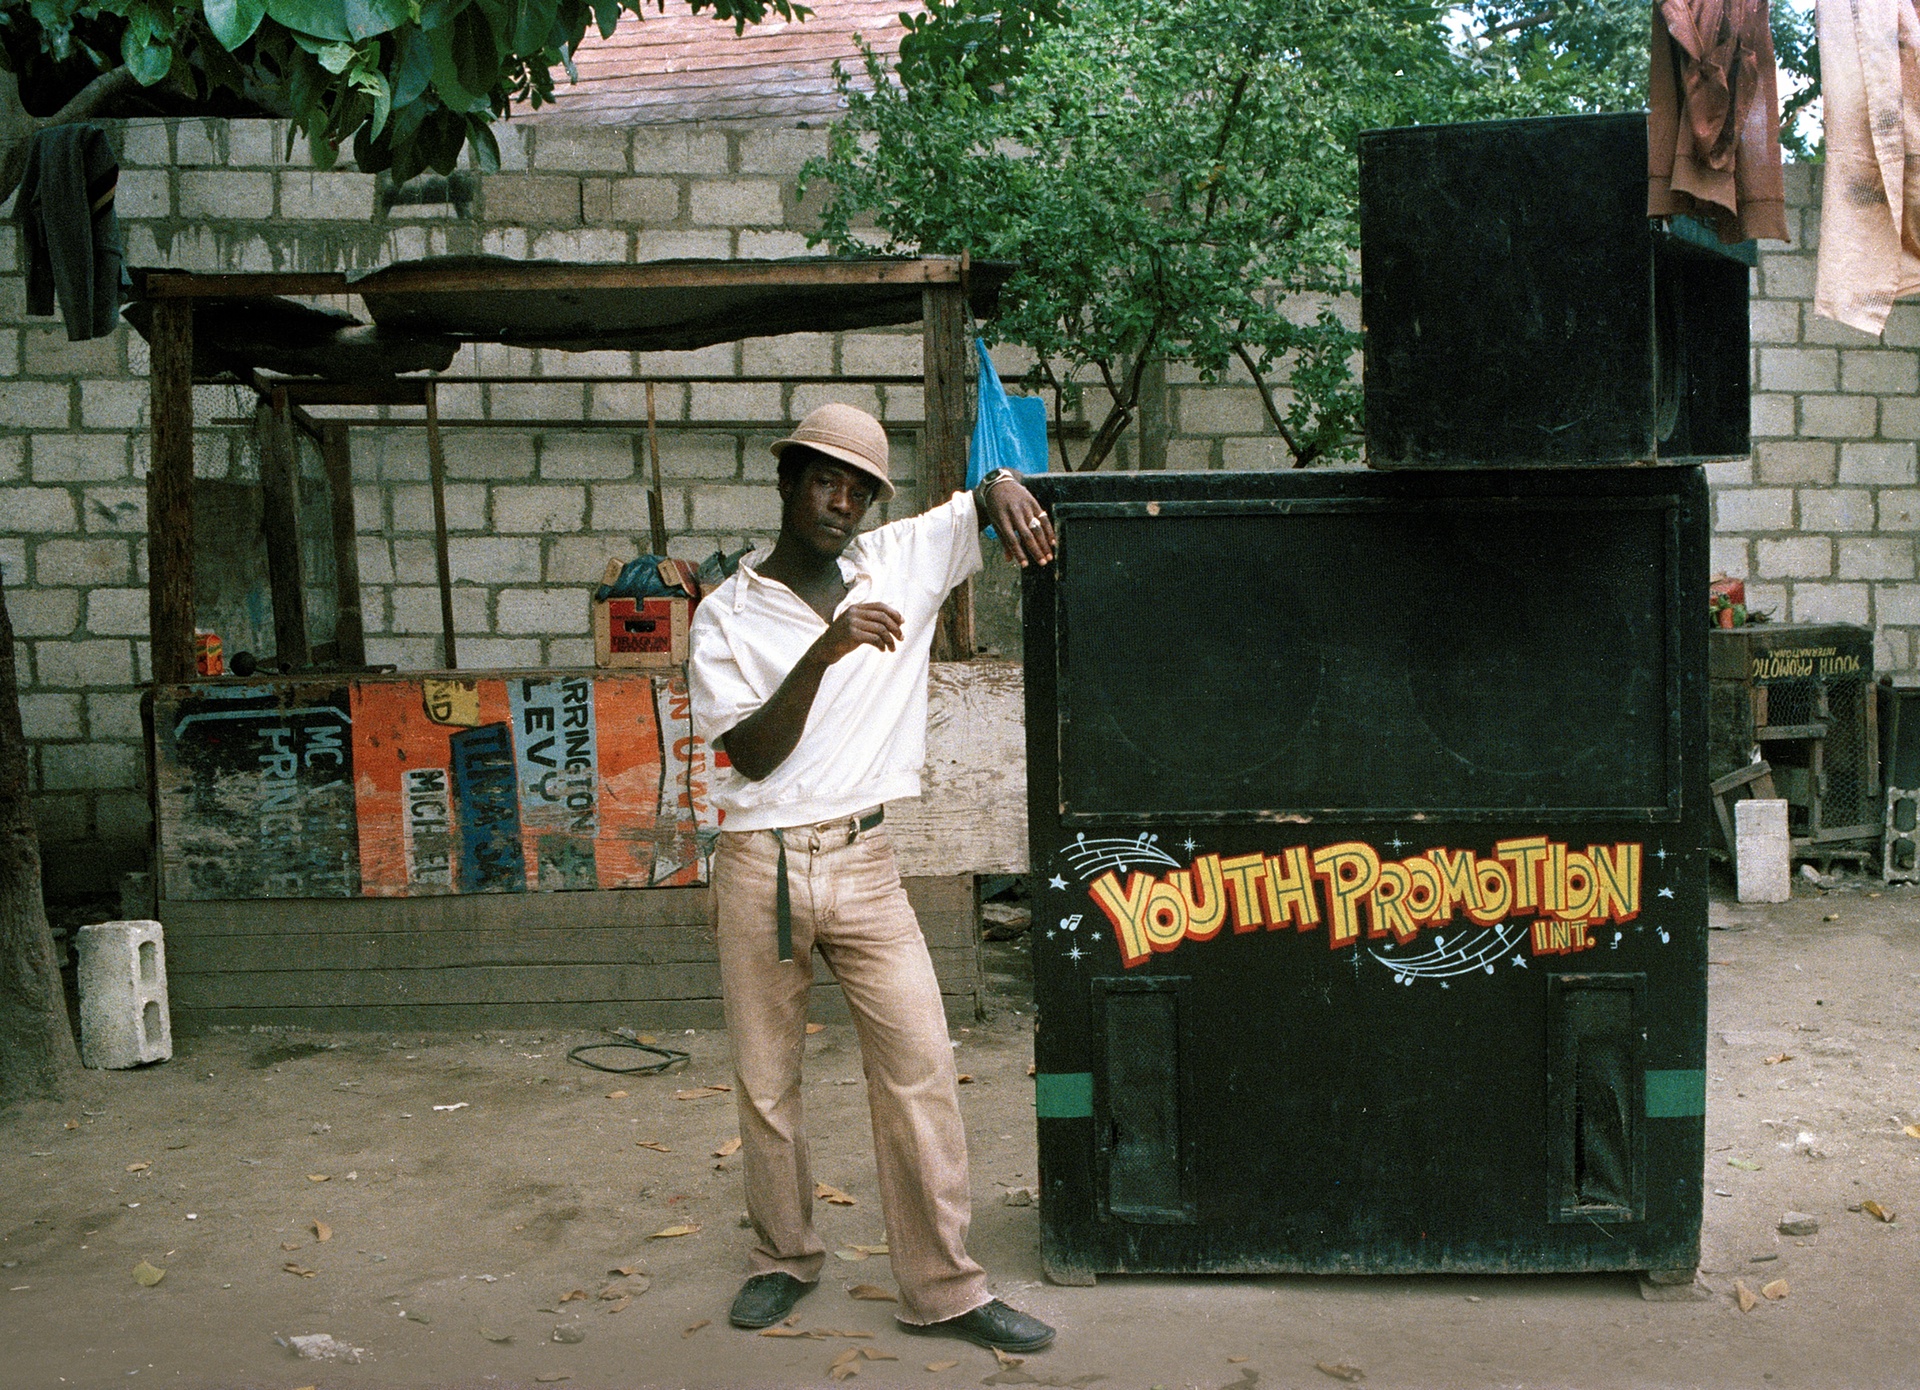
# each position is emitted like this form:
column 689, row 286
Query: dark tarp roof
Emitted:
column 422, row 309
column 492, row 299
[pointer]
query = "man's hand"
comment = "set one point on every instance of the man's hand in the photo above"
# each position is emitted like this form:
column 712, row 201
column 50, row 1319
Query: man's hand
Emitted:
column 861, row 625
column 1026, row 531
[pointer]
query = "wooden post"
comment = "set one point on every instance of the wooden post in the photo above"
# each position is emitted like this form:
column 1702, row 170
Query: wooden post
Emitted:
column 349, row 630
column 437, row 468
column 170, row 493
column 280, row 520
column 943, row 444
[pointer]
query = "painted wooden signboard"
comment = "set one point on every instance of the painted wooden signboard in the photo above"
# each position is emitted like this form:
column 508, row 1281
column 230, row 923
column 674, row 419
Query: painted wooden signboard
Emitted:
column 408, row 786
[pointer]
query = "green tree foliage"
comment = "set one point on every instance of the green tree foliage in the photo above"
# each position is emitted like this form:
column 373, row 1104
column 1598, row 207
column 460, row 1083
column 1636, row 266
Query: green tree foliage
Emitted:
column 406, row 84
column 1177, row 180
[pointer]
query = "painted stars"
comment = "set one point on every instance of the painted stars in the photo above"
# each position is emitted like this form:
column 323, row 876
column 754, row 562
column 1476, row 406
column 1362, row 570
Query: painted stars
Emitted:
column 1057, row 884
column 1665, row 893
column 1075, row 954
column 1520, row 961
column 1188, row 844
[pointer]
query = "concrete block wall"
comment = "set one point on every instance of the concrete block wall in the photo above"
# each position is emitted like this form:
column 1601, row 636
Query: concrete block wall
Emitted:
column 1821, row 520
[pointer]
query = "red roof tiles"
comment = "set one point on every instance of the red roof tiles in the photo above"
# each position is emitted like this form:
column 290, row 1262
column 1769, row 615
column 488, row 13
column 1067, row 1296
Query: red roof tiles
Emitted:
column 679, row 66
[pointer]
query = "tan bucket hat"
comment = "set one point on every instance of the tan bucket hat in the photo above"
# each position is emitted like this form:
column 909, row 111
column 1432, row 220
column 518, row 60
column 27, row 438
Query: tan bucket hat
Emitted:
column 846, row 433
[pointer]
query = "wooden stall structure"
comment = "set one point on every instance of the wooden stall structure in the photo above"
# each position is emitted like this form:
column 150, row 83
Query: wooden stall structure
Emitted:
column 339, row 847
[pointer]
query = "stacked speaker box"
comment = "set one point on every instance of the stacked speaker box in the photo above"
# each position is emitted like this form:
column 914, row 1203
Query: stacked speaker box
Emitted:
column 1343, row 891
column 1521, row 311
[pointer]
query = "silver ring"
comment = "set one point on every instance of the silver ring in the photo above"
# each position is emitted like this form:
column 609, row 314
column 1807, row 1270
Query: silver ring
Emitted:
column 1034, row 524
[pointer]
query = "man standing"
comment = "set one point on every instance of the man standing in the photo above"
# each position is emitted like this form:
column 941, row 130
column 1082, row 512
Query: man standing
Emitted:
column 809, row 680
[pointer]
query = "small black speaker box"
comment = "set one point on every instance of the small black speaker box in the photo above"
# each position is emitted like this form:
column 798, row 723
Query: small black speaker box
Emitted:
column 1521, row 310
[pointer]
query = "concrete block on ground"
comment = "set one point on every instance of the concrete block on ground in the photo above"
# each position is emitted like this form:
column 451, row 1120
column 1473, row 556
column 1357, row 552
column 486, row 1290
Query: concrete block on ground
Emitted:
column 1762, row 851
column 124, row 1018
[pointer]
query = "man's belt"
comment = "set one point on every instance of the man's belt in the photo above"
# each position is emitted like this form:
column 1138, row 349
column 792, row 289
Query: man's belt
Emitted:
column 783, row 896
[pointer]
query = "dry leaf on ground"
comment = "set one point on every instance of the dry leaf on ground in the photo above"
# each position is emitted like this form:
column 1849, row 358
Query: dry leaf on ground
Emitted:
column 875, row 1354
column 618, row 1304
column 616, row 1095
column 1875, row 1210
column 318, row 1177
column 686, row 1229
column 1912, row 1131
column 850, row 1253
column 289, row 1245
column 965, row 1078
column 569, row 1297
column 816, row 1027
column 322, row 1232
column 1744, row 1296
column 827, row 1192
column 1776, row 1291
column 689, row 1331
column 845, row 1356
column 846, row 1370
column 1745, row 1165
column 871, row 1291
column 941, row 1365
column 1340, row 1370
column 138, row 1167
column 492, row 1336
column 1004, row 1359
column 292, row 1268
column 625, row 1271
column 147, row 1274
column 1235, row 1360
column 1778, row 1058
column 701, row 1092
column 653, row 1144
column 782, row 1331
column 549, row 1377
column 728, row 1149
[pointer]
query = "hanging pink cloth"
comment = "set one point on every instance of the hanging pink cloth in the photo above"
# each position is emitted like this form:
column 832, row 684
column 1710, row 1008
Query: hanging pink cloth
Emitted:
column 1713, row 125
column 1870, row 205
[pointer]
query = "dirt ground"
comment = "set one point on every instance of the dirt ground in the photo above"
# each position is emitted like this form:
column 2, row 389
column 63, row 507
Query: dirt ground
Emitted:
column 457, row 1236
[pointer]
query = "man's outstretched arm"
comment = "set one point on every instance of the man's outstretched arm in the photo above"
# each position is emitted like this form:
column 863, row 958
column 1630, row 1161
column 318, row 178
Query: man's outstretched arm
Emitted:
column 761, row 742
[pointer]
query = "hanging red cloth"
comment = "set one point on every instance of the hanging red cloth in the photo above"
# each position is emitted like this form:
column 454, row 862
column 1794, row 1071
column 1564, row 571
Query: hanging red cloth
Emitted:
column 1713, row 123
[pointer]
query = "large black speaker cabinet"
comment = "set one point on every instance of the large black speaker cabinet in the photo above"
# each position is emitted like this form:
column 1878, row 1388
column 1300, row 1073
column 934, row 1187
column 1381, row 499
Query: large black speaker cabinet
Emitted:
column 1521, row 310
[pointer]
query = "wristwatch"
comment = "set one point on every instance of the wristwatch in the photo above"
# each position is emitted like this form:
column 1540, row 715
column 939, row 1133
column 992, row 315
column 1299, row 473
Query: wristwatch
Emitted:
column 991, row 481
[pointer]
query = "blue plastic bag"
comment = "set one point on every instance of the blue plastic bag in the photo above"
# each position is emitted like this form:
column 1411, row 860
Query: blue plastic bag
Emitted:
column 1008, row 431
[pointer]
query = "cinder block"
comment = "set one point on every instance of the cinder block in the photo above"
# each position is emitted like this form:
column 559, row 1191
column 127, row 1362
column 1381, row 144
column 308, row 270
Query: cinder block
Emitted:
column 1793, row 462
column 225, row 193
column 1772, row 417
column 124, row 1019
column 333, row 196
column 645, row 202
column 582, row 245
column 1891, row 465
column 677, row 150
column 1889, row 372
column 1799, row 369
column 1829, row 603
column 1796, row 557
column 531, row 198
column 1762, row 851
column 1754, row 509
column 779, row 151
column 593, row 147
column 1837, row 417
column 1836, row 509
column 549, row 507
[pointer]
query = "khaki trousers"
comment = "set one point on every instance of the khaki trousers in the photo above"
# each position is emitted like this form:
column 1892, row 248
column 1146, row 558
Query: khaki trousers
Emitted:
column 847, row 903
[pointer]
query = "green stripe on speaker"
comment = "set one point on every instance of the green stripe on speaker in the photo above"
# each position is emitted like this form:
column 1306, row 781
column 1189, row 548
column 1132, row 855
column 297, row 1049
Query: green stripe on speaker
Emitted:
column 1673, row 1095
column 1063, row 1095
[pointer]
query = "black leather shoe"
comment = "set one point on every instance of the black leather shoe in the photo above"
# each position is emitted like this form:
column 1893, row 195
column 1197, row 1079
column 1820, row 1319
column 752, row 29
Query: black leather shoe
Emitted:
column 766, row 1298
column 993, row 1325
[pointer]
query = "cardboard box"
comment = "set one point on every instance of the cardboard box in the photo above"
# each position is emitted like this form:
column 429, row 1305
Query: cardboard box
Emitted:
column 639, row 632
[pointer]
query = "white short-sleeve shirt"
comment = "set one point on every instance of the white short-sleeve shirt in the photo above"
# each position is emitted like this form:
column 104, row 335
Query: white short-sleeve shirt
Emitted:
column 866, row 736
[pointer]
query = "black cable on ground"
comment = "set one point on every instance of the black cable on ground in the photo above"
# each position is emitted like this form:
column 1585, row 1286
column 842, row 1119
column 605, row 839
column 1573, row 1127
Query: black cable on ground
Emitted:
column 630, row 1041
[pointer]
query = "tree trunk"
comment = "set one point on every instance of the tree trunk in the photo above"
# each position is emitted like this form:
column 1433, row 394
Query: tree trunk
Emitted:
column 37, row 1056
column 17, row 127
